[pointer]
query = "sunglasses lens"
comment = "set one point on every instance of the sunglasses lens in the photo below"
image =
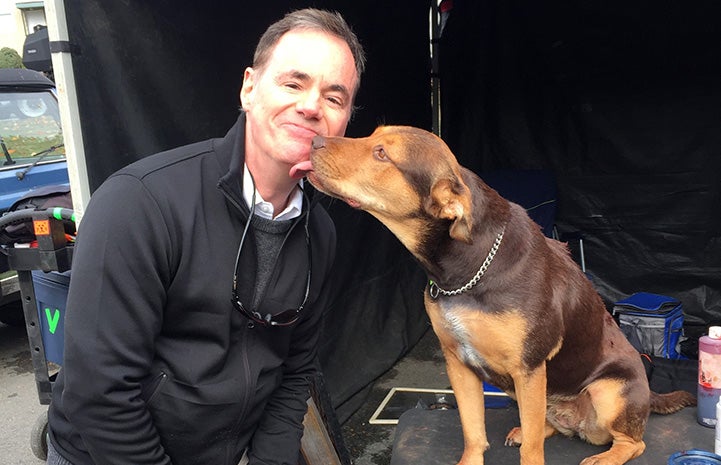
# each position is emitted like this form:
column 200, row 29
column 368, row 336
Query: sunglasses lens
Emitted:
column 284, row 318
column 287, row 317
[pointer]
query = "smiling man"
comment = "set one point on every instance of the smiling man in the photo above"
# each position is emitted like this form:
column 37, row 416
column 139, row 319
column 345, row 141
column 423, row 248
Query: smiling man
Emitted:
column 292, row 96
column 194, row 307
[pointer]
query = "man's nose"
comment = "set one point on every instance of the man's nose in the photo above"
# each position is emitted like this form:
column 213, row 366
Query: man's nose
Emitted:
column 309, row 105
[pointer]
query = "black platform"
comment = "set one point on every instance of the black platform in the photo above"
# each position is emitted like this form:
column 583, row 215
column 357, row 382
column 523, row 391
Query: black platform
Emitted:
column 434, row 437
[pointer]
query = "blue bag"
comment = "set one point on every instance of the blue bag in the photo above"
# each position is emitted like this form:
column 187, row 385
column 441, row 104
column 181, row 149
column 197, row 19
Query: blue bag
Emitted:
column 652, row 323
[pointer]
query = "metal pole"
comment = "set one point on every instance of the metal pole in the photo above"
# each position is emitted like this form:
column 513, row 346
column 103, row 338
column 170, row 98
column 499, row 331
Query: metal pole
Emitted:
column 435, row 78
column 60, row 47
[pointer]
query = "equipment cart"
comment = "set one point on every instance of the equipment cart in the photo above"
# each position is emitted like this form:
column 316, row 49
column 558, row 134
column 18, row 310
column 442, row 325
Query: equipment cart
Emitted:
column 38, row 244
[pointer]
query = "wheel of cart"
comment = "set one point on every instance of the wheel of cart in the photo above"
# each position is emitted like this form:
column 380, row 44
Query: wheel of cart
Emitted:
column 38, row 245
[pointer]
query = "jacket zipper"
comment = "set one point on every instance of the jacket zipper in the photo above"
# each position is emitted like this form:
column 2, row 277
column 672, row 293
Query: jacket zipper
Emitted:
column 231, row 447
column 160, row 381
column 232, row 444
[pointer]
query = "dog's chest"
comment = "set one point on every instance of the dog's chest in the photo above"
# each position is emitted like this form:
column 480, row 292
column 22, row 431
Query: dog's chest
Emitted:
column 479, row 339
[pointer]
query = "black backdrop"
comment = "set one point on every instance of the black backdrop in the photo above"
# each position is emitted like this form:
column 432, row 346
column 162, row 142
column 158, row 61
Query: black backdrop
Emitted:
column 621, row 101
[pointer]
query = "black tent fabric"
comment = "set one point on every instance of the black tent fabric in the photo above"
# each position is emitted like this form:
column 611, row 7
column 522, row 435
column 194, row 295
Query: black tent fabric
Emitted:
column 621, row 101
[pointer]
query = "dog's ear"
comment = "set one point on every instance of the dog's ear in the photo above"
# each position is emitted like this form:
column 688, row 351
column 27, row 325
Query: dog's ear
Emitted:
column 451, row 200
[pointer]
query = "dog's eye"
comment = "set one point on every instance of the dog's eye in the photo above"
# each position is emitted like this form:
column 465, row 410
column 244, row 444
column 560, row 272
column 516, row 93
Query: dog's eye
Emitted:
column 380, row 154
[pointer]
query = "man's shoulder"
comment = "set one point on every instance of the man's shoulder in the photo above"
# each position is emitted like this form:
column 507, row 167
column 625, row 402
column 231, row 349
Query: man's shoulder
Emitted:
column 179, row 157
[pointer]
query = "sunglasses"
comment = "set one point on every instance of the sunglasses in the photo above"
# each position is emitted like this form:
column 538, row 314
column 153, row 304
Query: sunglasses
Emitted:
column 286, row 317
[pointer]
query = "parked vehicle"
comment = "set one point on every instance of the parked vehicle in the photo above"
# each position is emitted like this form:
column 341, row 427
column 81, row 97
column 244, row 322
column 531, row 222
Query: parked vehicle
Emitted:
column 32, row 154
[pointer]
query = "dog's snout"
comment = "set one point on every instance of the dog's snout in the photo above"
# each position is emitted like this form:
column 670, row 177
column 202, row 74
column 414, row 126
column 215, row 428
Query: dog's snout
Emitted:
column 318, row 142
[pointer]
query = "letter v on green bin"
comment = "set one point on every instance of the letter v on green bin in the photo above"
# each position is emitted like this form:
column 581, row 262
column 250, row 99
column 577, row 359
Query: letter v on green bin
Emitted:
column 52, row 319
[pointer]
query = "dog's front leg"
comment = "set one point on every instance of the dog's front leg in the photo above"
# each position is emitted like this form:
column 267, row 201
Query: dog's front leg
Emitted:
column 468, row 390
column 531, row 394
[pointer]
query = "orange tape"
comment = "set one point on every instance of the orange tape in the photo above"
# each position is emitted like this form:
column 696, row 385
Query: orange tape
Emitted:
column 41, row 227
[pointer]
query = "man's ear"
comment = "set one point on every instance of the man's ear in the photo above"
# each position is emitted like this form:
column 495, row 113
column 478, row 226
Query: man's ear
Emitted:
column 246, row 90
column 451, row 200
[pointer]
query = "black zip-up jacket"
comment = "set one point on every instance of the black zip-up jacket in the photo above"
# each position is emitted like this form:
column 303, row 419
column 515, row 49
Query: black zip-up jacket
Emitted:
column 159, row 366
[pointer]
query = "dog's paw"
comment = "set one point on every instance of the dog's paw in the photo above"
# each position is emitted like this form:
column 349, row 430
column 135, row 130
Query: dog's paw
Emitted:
column 514, row 437
column 600, row 459
column 469, row 458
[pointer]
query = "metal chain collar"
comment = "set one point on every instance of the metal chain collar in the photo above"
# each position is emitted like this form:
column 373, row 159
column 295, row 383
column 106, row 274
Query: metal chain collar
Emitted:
column 434, row 289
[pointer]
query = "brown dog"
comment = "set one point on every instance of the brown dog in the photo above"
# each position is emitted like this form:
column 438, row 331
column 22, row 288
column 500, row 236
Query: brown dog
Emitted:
column 508, row 304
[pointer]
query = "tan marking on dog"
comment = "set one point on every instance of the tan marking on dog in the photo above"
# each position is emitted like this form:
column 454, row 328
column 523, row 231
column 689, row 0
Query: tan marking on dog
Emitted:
column 470, row 337
column 609, row 405
column 608, row 401
column 531, row 395
column 481, row 338
column 377, row 186
column 451, row 200
column 468, row 390
column 555, row 350
column 467, row 387
column 515, row 436
column 405, row 231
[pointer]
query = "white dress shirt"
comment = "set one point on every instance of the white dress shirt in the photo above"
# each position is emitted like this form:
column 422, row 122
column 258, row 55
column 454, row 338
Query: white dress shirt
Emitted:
column 265, row 209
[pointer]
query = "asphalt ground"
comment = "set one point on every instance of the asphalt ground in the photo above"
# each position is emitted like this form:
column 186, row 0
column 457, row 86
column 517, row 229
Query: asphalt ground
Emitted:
column 19, row 404
column 422, row 368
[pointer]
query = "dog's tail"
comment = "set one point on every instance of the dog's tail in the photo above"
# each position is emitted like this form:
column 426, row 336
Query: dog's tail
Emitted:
column 671, row 402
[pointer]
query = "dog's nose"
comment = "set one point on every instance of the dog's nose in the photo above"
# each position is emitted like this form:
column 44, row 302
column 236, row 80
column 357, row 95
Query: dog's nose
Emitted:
column 318, row 142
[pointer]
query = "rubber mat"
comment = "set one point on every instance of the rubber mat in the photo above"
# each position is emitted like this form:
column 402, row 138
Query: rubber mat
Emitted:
column 434, row 437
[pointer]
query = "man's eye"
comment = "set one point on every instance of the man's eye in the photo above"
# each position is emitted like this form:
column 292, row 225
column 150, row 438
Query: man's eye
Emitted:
column 335, row 101
column 380, row 154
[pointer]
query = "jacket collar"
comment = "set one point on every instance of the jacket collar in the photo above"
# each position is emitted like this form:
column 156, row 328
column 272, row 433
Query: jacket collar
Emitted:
column 230, row 151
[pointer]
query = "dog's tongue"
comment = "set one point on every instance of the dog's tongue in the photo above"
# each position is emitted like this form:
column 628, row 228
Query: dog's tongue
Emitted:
column 301, row 169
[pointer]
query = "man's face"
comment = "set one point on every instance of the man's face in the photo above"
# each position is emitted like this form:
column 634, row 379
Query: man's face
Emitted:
column 305, row 89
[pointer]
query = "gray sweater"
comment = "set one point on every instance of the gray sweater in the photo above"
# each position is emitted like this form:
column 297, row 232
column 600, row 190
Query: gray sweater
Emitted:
column 269, row 235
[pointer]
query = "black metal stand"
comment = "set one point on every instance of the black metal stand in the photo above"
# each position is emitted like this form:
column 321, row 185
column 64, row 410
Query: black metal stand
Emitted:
column 53, row 253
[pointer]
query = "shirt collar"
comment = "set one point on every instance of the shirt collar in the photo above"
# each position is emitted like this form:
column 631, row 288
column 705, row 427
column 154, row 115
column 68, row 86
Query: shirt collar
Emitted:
column 265, row 209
